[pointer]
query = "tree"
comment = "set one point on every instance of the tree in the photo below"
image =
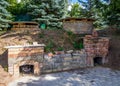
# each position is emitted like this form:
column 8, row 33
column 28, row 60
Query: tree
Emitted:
column 19, row 10
column 4, row 14
column 112, row 14
column 75, row 10
column 105, row 12
column 48, row 12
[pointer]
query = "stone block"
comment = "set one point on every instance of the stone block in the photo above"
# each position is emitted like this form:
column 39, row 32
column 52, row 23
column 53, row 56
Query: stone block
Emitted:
column 75, row 66
column 67, row 59
column 76, row 57
column 66, row 64
column 67, row 68
column 57, row 69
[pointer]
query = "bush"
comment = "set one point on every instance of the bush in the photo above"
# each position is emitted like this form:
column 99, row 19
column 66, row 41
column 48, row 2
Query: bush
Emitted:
column 60, row 48
column 70, row 33
column 78, row 44
column 49, row 47
column 41, row 35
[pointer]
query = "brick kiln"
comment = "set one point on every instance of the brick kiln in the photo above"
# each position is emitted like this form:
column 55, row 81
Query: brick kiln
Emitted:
column 96, row 48
column 24, row 59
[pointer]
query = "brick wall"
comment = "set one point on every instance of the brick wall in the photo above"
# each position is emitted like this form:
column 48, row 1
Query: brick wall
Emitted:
column 96, row 47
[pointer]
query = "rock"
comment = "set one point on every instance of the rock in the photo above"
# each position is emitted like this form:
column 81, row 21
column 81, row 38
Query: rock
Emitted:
column 69, row 51
column 50, row 54
column 59, row 52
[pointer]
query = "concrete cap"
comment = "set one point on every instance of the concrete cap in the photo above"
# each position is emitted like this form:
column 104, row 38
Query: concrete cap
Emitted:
column 24, row 46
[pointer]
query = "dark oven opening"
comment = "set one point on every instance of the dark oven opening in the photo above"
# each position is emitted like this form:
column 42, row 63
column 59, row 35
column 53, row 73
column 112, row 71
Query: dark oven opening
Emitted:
column 97, row 61
column 26, row 69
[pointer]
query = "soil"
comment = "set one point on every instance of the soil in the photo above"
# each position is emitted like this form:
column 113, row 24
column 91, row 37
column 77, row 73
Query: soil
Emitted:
column 5, row 78
column 53, row 39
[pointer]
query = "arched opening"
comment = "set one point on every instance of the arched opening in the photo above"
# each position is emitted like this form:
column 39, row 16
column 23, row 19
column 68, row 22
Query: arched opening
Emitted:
column 26, row 69
column 97, row 61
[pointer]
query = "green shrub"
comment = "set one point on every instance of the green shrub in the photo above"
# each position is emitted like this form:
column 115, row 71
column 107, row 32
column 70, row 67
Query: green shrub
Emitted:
column 78, row 45
column 60, row 48
column 49, row 47
column 41, row 35
column 70, row 33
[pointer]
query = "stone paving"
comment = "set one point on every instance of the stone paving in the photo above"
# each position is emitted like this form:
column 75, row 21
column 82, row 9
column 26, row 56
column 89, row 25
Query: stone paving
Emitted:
column 97, row 76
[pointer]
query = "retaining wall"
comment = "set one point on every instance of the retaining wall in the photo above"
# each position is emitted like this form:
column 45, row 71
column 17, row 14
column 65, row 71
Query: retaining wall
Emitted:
column 63, row 62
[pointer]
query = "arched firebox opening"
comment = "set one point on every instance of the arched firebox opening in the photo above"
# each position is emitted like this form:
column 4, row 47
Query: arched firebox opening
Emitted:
column 97, row 61
column 26, row 69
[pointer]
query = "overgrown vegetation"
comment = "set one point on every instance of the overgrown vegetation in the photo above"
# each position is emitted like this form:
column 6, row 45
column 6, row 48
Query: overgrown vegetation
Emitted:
column 49, row 47
column 78, row 44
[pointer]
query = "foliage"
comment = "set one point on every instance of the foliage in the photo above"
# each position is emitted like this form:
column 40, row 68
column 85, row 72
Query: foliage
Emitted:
column 41, row 35
column 70, row 33
column 19, row 10
column 105, row 12
column 48, row 12
column 112, row 14
column 75, row 11
column 49, row 46
column 4, row 15
column 60, row 48
column 78, row 45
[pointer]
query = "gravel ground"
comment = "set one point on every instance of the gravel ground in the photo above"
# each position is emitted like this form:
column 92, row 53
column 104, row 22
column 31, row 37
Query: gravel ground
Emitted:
column 97, row 76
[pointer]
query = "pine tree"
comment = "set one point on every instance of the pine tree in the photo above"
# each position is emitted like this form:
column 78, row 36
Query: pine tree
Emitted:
column 4, row 15
column 48, row 12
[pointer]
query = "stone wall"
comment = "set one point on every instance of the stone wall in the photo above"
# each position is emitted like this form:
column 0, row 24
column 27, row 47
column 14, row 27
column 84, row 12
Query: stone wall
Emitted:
column 64, row 62
column 43, row 63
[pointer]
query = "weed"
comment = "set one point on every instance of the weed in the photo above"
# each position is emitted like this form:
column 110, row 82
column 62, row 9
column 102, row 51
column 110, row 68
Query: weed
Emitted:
column 60, row 48
column 49, row 46
column 70, row 33
column 41, row 35
column 78, row 44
